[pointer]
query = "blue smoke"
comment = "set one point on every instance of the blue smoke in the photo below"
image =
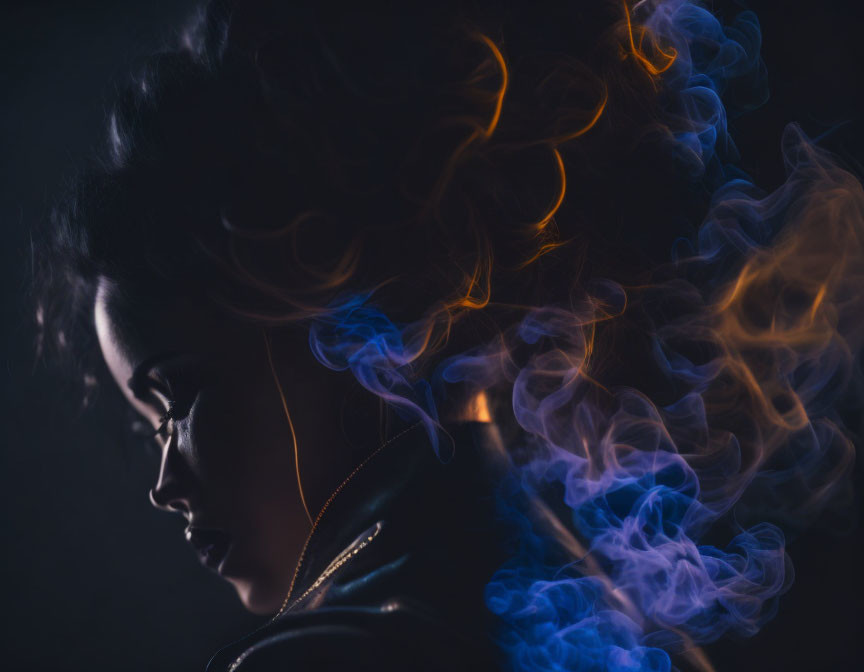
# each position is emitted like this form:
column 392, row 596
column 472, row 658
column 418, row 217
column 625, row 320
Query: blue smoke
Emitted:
column 753, row 440
column 611, row 498
column 355, row 335
column 753, row 432
column 718, row 72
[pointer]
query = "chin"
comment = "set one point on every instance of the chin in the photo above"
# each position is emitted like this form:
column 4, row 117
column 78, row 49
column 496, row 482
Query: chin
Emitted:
column 257, row 598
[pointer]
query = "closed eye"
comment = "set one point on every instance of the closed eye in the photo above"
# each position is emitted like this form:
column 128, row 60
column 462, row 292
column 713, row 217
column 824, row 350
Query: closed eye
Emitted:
column 145, row 431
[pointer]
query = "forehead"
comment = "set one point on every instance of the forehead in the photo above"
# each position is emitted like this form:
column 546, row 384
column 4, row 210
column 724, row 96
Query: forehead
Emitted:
column 131, row 331
column 136, row 330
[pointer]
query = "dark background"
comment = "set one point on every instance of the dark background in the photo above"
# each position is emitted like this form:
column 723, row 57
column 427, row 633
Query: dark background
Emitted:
column 92, row 577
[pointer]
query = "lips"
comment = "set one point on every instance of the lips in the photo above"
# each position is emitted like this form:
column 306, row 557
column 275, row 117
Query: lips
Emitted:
column 210, row 543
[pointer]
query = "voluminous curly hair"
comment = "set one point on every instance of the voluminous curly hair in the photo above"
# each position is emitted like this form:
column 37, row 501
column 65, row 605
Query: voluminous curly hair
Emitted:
column 462, row 160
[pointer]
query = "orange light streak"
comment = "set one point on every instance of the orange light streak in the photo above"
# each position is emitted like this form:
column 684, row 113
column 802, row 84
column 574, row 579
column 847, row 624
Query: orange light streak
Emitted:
column 502, row 90
column 639, row 52
column 290, row 426
column 544, row 222
column 469, row 301
column 598, row 112
column 480, row 278
column 820, row 296
column 544, row 249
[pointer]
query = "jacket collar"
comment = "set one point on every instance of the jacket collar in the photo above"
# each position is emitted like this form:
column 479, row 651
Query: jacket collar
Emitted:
column 402, row 485
column 400, row 475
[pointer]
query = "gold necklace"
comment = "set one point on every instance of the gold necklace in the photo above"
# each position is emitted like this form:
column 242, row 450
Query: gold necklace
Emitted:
column 341, row 559
column 317, row 520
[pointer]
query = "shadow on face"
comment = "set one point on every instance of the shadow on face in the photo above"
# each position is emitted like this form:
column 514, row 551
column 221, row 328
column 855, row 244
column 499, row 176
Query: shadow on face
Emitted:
column 207, row 386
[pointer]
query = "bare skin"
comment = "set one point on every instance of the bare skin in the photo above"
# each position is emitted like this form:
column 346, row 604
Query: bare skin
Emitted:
column 227, row 458
column 227, row 455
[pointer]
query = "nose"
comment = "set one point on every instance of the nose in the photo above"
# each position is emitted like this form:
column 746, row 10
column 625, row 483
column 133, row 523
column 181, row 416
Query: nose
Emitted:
column 174, row 486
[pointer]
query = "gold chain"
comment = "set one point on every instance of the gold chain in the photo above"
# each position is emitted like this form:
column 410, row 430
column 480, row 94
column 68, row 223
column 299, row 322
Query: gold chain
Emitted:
column 321, row 514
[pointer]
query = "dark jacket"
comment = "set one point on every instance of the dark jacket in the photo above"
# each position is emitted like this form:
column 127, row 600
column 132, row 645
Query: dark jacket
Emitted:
column 393, row 573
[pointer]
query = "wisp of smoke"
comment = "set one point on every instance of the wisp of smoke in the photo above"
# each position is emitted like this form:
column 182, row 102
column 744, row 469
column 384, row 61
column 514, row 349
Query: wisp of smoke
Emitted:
column 611, row 496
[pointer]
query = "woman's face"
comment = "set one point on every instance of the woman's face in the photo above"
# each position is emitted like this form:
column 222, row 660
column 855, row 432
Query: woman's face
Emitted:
column 227, row 459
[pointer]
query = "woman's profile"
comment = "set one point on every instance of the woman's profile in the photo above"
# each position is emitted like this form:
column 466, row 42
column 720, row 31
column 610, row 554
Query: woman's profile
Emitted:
column 390, row 289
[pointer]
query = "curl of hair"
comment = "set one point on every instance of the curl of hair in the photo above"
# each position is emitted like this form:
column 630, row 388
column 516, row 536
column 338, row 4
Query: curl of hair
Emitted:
column 462, row 160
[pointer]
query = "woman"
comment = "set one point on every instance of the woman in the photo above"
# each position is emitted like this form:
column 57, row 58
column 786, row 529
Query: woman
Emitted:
column 327, row 256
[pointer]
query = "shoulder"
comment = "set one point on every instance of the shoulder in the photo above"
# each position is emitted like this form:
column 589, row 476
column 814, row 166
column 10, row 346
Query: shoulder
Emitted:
column 395, row 635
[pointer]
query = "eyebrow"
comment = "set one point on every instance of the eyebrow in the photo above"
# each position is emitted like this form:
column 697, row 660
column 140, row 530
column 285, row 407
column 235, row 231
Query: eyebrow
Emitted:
column 140, row 381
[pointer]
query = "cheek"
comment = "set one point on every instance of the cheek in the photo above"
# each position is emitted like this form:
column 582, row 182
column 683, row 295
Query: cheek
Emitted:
column 242, row 447
column 239, row 442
